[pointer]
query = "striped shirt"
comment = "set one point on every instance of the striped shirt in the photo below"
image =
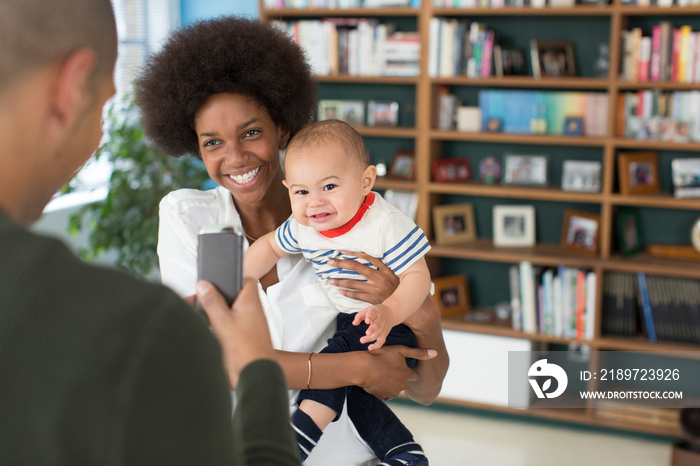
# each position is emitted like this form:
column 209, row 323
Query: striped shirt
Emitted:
column 379, row 230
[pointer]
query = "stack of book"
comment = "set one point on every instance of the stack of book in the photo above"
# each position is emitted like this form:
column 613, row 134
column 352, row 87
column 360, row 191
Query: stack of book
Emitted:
column 665, row 116
column 553, row 301
column 340, row 4
column 459, row 47
column 356, row 46
column 663, row 308
column 668, row 54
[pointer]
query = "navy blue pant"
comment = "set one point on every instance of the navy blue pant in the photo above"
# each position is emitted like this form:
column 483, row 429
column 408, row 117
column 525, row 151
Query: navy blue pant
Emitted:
column 373, row 419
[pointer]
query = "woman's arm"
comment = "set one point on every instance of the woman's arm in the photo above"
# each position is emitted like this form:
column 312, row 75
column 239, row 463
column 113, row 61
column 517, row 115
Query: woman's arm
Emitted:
column 425, row 323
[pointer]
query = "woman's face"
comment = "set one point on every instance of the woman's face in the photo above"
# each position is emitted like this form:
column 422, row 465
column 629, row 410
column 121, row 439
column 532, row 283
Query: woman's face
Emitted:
column 239, row 144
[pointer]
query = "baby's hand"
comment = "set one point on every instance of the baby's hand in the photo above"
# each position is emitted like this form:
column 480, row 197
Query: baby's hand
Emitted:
column 379, row 319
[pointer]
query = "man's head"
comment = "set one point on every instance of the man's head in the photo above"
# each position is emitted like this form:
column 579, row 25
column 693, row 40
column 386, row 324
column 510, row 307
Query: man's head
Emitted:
column 56, row 72
column 328, row 174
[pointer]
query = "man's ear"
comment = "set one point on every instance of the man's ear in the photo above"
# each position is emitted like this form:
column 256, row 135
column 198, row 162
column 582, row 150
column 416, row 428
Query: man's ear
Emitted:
column 73, row 91
column 369, row 176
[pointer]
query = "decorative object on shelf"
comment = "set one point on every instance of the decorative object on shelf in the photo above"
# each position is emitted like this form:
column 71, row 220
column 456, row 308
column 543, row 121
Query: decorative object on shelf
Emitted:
column 573, row 126
column 490, row 169
column 695, row 235
column 502, row 310
column 405, row 201
column 538, row 121
column 580, row 231
column 628, row 238
column 451, row 170
column 451, row 295
column 525, row 169
column 353, row 112
column 580, row 175
column 382, row 113
column 330, row 110
column 514, row 225
column 601, row 66
column 686, row 177
column 381, row 168
column 638, row 172
column 552, row 58
column 493, row 125
column 403, row 165
column 479, row 316
column 454, row 224
column 468, row 119
column 673, row 251
column 562, row 3
column 508, row 61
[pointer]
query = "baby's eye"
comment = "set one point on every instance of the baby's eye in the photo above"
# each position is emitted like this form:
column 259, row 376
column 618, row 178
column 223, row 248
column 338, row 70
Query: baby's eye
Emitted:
column 301, row 192
column 328, row 187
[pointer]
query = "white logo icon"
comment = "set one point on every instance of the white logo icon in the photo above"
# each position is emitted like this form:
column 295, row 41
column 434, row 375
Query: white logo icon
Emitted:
column 542, row 369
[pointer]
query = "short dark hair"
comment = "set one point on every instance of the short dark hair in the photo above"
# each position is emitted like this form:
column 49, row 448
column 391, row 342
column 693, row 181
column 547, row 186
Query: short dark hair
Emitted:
column 222, row 55
column 325, row 131
column 34, row 33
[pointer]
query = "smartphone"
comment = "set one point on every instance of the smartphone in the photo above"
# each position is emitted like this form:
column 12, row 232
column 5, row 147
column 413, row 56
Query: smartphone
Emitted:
column 220, row 261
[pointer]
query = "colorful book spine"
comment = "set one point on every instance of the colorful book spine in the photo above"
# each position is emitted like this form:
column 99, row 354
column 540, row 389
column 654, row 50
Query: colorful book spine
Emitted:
column 646, row 307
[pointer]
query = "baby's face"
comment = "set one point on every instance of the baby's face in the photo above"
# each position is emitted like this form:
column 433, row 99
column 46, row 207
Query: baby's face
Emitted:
column 326, row 185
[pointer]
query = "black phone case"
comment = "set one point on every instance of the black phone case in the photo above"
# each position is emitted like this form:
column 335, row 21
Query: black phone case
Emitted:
column 220, row 261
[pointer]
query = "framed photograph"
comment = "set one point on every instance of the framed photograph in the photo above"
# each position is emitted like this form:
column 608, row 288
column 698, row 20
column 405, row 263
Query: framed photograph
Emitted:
column 454, row 224
column 451, row 170
column 638, row 172
column 353, row 112
column 552, row 58
column 525, row 169
column 508, row 61
column 581, row 231
column 628, row 232
column 573, row 126
column 493, row 125
column 514, row 225
column 686, row 177
column 578, row 175
column 490, row 169
column 382, row 113
column 405, row 201
column 451, row 295
column 402, row 165
column 330, row 110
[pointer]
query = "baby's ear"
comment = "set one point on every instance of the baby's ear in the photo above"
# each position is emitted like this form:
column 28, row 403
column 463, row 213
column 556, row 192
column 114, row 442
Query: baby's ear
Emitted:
column 369, row 176
column 286, row 185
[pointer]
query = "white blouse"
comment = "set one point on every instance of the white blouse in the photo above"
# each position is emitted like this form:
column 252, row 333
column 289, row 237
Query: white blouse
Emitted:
column 300, row 315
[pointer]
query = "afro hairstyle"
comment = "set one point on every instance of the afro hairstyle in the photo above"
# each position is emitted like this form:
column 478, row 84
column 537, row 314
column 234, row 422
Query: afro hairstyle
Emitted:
column 222, row 55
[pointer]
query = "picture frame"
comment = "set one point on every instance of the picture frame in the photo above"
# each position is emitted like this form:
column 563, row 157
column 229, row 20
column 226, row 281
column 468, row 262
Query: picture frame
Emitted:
column 581, row 231
column 330, row 110
column 493, row 125
column 581, row 176
column 638, row 172
column 353, row 112
column 451, row 295
column 573, row 126
column 382, row 113
column 454, row 224
column 403, row 165
column 514, row 225
column 508, row 61
column 405, row 201
column 552, row 58
column 453, row 170
column 628, row 237
column 686, row 177
column 525, row 169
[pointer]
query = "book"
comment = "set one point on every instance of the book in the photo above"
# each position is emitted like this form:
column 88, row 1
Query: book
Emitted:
column 528, row 297
column 516, row 309
column 645, row 306
column 590, row 324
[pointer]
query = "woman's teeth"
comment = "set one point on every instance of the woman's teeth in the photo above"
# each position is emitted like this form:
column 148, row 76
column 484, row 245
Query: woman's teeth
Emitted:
column 246, row 177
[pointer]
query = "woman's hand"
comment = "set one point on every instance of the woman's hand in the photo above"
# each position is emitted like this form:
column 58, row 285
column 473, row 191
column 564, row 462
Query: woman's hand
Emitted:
column 380, row 284
column 385, row 373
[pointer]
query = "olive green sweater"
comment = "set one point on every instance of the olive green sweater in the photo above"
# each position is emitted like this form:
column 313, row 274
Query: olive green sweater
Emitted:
column 99, row 368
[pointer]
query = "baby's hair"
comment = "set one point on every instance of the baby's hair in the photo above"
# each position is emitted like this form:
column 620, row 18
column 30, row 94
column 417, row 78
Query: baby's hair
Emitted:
column 322, row 132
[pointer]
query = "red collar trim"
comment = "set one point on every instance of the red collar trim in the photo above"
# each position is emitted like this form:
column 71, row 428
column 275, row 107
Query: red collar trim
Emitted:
column 335, row 232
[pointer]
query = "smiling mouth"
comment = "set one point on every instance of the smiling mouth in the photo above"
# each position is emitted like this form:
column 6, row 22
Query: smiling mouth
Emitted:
column 320, row 217
column 246, row 177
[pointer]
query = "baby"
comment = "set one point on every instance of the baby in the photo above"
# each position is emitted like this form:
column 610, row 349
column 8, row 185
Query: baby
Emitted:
column 330, row 179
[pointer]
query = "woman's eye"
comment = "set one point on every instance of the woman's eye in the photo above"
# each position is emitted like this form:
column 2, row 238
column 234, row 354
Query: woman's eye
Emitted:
column 251, row 133
column 328, row 187
column 209, row 143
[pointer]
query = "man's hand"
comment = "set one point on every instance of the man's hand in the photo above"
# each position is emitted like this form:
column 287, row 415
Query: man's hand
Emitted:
column 241, row 330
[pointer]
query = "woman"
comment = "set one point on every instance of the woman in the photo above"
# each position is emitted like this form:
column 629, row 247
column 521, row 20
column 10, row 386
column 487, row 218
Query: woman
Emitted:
column 234, row 91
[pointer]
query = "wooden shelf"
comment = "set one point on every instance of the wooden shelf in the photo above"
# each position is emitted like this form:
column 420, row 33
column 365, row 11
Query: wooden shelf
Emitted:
column 517, row 138
column 476, row 188
column 526, row 82
column 344, row 12
column 348, row 79
column 578, row 10
column 643, row 262
column 661, row 200
column 387, row 132
column 641, row 343
column 649, row 144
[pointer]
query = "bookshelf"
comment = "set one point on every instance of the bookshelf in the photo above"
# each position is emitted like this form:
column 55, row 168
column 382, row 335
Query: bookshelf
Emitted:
column 480, row 260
